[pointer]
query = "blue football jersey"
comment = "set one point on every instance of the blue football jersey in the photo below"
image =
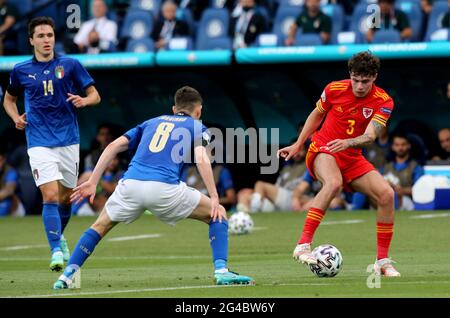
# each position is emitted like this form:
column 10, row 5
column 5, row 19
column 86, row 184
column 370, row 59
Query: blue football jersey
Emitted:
column 163, row 145
column 52, row 122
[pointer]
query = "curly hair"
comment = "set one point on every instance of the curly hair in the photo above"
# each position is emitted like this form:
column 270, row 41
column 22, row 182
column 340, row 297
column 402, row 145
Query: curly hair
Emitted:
column 364, row 64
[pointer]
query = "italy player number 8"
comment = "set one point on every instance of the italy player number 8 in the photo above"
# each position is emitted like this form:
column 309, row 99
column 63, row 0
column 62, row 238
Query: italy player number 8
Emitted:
column 351, row 126
column 161, row 136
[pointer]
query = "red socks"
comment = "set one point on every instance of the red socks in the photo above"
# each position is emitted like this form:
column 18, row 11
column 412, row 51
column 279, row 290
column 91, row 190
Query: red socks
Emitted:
column 384, row 237
column 312, row 221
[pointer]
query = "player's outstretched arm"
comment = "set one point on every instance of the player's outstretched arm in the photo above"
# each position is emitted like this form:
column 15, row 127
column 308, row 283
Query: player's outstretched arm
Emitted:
column 10, row 105
column 369, row 136
column 204, row 168
column 88, row 188
column 92, row 98
column 312, row 123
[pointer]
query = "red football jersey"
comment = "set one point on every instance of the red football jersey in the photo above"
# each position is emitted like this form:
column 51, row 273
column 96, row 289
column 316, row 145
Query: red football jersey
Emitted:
column 348, row 116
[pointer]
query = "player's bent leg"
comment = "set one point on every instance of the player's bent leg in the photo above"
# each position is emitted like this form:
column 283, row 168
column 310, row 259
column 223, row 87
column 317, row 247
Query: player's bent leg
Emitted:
column 328, row 173
column 218, row 237
column 244, row 197
column 85, row 248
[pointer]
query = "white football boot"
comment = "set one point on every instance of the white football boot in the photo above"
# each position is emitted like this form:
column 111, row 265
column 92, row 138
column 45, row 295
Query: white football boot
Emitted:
column 302, row 254
column 383, row 267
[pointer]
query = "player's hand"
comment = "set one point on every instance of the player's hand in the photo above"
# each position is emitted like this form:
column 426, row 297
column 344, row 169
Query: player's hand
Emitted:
column 216, row 211
column 338, row 145
column 84, row 190
column 21, row 121
column 288, row 152
column 76, row 100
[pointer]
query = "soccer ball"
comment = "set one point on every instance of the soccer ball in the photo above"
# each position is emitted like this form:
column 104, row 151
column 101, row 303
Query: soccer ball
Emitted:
column 240, row 223
column 329, row 261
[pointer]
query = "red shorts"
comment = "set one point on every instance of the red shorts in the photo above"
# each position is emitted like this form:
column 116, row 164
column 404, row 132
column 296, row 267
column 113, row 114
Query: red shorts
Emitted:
column 351, row 165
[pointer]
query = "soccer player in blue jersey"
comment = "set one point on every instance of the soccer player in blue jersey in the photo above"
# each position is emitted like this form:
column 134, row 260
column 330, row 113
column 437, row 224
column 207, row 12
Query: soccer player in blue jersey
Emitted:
column 152, row 182
column 50, row 84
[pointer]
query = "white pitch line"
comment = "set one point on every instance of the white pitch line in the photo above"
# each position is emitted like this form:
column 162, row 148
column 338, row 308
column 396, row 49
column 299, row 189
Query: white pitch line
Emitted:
column 135, row 237
column 342, row 222
column 22, row 247
column 259, row 228
column 124, row 291
column 430, row 215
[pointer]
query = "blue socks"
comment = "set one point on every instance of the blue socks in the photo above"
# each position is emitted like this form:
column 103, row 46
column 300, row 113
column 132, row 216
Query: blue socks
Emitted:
column 52, row 225
column 82, row 251
column 65, row 212
column 218, row 239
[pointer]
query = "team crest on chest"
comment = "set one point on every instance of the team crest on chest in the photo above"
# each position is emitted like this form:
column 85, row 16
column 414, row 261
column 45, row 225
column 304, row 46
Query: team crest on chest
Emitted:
column 59, row 72
column 367, row 112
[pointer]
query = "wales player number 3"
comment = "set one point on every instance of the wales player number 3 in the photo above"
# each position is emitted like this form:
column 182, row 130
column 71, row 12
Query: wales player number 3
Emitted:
column 161, row 136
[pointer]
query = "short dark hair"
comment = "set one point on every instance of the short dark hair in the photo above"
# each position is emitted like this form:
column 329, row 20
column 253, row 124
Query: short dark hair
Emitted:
column 364, row 64
column 40, row 21
column 186, row 98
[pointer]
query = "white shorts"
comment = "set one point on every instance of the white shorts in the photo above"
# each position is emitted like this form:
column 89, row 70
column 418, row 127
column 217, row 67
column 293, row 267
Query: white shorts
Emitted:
column 57, row 163
column 168, row 202
column 283, row 202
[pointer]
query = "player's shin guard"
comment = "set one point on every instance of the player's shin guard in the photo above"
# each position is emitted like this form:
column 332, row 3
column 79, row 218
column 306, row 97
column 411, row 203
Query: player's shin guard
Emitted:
column 313, row 219
column 84, row 248
column 218, row 238
column 52, row 225
column 65, row 211
column 385, row 232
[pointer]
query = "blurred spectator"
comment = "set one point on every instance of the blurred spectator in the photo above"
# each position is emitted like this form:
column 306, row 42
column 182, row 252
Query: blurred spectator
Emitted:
column 98, row 34
column 8, row 16
column 391, row 18
column 246, row 24
column 311, row 20
column 168, row 26
column 444, row 140
column 103, row 138
column 446, row 18
column 268, row 197
column 222, row 178
column 9, row 181
column 427, row 6
column 378, row 151
column 402, row 172
column 105, row 188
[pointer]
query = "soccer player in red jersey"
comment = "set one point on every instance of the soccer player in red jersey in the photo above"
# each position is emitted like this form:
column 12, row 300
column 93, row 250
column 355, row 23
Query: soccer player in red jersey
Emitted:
column 353, row 112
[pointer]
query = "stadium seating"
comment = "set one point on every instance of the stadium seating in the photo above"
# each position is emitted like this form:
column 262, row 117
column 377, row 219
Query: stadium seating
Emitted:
column 386, row 36
column 180, row 44
column 138, row 24
column 213, row 24
column 440, row 8
column 358, row 23
column 186, row 16
column 284, row 18
column 440, row 35
column 141, row 45
column 307, row 39
column 146, row 5
column 222, row 43
column 412, row 9
column 267, row 40
column 336, row 13
column 23, row 6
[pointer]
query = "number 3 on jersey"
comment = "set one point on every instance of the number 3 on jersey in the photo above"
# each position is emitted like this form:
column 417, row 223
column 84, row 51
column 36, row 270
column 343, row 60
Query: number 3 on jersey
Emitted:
column 161, row 136
column 351, row 126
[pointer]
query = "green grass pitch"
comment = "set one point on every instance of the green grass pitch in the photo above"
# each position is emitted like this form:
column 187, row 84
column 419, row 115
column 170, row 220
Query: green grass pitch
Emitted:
column 151, row 259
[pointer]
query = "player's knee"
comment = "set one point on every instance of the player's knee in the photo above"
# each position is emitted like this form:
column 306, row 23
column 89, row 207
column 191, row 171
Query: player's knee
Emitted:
column 334, row 186
column 386, row 197
column 50, row 195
